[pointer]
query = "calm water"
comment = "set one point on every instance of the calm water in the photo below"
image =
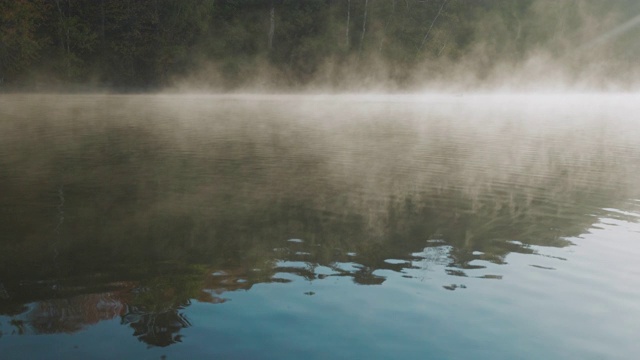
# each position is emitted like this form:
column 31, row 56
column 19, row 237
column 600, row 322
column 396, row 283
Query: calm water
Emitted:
column 241, row 227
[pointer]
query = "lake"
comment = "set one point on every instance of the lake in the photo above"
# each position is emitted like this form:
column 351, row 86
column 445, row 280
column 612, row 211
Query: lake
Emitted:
column 320, row 227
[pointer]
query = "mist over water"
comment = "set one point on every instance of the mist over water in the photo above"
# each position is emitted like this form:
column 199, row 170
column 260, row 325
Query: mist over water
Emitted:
column 470, row 225
column 355, row 179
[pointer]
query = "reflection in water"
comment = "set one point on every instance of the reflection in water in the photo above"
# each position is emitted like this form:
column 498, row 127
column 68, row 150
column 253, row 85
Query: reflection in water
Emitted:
column 133, row 207
column 156, row 328
column 72, row 314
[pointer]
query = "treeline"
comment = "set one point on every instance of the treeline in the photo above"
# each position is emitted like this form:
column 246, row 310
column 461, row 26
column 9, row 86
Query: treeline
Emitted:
column 227, row 44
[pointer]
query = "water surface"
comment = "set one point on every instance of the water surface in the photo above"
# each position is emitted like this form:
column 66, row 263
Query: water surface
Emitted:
column 482, row 226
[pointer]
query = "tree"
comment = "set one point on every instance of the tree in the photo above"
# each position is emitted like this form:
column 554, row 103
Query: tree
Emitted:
column 435, row 18
column 74, row 37
column 20, row 44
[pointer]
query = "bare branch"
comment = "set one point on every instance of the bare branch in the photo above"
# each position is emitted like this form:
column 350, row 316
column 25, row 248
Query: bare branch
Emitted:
column 431, row 26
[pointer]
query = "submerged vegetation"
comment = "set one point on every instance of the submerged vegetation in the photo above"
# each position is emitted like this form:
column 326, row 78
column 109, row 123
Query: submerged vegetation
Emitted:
column 293, row 44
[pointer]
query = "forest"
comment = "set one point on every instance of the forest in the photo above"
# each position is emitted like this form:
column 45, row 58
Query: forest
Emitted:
column 231, row 45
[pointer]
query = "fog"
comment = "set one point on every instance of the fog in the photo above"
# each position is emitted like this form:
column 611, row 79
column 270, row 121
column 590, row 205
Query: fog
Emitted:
column 534, row 47
column 159, row 158
column 347, row 46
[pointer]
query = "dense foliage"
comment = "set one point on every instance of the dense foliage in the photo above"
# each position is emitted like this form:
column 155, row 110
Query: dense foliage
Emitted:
column 226, row 44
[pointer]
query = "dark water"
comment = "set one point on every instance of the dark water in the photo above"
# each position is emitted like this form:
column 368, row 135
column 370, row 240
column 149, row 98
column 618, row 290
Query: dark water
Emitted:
column 444, row 227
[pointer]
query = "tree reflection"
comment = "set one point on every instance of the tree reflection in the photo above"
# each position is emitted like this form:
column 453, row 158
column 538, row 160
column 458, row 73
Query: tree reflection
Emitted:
column 69, row 315
column 156, row 329
column 156, row 218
